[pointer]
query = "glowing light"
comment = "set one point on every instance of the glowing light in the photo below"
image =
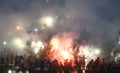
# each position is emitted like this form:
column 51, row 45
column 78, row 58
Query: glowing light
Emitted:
column 35, row 30
column 27, row 71
column 97, row 51
column 47, row 21
column 19, row 27
column 4, row 43
column 62, row 47
column 65, row 55
column 85, row 50
column 36, row 50
column 89, row 52
column 55, row 42
column 112, row 54
column 9, row 71
column 20, row 71
column 18, row 43
column 37, row 46
column 117, row 57
column 119, row 42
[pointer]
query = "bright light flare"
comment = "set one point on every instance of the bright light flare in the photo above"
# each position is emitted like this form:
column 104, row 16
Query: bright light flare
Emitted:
column 89, row 52
column 18, row 43
column 36, row 50
column 27, row 71
column 119, row 42
column 62, row 47
column 20, row 71
column 97, row 51
column 117, row 57
column 47, row 21
column 37, row 46
column 35, row 29
column 4, row 43
column 66, row 55
column 55, row 42
column 19, row 27
column 9, row 71
column 85, row 50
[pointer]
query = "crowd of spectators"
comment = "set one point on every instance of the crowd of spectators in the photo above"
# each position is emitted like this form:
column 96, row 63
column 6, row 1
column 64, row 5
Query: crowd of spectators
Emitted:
column 35, row 65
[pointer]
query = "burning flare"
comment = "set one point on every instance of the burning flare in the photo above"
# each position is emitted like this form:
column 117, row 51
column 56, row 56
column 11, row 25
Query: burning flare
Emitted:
column 63, row 46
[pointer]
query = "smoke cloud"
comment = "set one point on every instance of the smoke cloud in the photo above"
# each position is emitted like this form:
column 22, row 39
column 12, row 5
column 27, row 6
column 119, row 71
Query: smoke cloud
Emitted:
column 96, row 21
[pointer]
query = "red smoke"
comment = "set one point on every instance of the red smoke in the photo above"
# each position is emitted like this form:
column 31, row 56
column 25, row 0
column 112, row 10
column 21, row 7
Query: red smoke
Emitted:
column 63, row 46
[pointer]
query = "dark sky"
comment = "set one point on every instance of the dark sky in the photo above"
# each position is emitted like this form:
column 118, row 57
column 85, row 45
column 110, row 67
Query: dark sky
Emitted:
column 107, row 9
column 99, row 18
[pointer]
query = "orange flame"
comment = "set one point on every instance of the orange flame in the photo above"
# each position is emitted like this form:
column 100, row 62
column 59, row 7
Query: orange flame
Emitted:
column 62, row 47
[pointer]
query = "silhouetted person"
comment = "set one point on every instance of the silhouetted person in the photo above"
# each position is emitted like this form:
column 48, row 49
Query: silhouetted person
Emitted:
column 90, row 67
